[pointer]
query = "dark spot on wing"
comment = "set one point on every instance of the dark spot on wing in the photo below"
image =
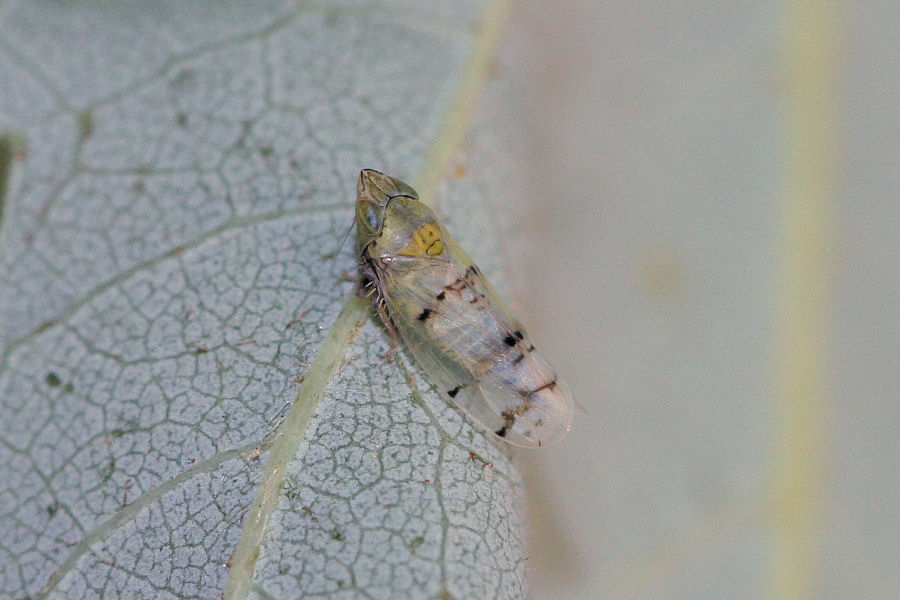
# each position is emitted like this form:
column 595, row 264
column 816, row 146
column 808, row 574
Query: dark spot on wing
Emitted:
column 441, row 296
column 509, row 418
column 509, row 340
column 549, row 385
column 519, row 358
column 519, row 334
column 423, row 316
column 530, row 348
column 452, row 393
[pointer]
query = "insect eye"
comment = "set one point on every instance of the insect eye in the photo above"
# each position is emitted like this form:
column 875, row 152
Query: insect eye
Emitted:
column 370, row 216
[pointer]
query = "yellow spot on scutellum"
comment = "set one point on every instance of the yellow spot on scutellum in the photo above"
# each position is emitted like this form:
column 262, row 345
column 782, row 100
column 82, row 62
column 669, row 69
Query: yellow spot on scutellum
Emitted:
column 426, row 240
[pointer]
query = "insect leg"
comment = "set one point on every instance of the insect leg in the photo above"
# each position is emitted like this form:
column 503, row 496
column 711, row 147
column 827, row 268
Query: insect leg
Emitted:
column 369, row 287
column 388, row 324
column 367, row 281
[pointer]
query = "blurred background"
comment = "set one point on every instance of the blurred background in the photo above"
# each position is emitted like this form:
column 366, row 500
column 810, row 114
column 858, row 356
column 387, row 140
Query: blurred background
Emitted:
column 713, row 263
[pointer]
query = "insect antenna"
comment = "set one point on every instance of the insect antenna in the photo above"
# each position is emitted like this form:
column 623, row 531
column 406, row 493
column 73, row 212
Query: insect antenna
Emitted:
column 337, row 252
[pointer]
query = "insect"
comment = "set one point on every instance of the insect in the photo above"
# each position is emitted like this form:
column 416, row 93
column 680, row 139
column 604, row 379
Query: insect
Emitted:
column 428, row 292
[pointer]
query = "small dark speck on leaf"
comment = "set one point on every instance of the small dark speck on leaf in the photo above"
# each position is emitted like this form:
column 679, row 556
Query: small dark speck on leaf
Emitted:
column 44, row 326
column 474, row 457
column 184, row 77
column 85, row 124
column 52, row 508
column 266, row 150
column 295, row 321
column 6, row 158
column 68, row 388
column 53, row 379
column 415, row 543
column 106, row 472
column 337, row 536
column 181, row 119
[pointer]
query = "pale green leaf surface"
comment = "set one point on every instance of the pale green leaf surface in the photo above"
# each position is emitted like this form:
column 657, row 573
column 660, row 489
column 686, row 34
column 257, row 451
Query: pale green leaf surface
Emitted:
column 182, row 176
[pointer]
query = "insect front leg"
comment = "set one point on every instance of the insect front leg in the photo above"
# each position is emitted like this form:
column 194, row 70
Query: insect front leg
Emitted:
column 367, row 282
column 382, row 311
column 368, row 287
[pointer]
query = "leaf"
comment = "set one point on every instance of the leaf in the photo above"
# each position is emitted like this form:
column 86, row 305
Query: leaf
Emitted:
column 177, row 179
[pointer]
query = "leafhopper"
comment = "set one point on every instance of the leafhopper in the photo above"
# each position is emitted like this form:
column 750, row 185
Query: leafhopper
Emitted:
column 431, row 295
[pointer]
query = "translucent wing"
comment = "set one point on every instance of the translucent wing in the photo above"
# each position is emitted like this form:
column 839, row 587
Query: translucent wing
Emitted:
column 462, row 334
